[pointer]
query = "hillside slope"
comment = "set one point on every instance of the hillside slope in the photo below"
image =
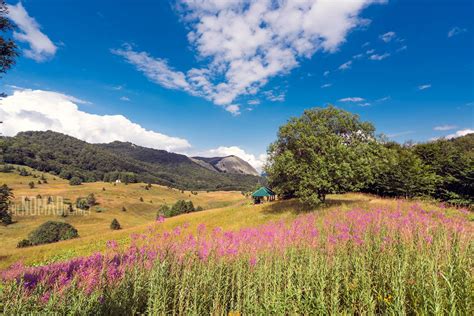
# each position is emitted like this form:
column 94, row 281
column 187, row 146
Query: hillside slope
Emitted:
column 67, row 156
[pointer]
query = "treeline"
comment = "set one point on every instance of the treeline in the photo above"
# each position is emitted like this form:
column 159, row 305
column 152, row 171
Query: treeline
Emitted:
column 69, row 158
column 328, row 150
column 180, row 207
column 442, row 169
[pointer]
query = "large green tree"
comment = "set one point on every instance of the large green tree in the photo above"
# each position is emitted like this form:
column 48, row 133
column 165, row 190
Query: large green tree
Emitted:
column 326, row 150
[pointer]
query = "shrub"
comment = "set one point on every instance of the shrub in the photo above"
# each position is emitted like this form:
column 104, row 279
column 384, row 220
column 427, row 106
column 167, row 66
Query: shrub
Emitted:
column 91, row 201
column 124, row 209
column 50, row 232
column 81, row 203
column 23, row 243
column 164, row 210
column 23, row 172
column 6, row 168
column 75, row 181
column 115, row 225
column 141, row 199
column 31, row 185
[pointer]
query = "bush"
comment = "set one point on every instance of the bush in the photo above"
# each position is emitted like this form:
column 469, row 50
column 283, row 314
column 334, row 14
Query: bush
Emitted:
column 31, row 185
column 91, row 201
column 50, row 232
column 81, row 203
column 124, row 209
column 24, row 243
column 115, row 225
column 75, row 181
column 6, row 168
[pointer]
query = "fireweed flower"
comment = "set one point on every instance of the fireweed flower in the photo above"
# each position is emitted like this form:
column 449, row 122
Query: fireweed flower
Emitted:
column 338, row 228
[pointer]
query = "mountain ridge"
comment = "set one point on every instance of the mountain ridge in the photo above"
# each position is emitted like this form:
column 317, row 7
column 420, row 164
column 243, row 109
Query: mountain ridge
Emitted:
column 67, row 157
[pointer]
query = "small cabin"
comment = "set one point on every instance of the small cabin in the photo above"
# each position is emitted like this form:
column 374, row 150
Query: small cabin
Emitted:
column 263, row 193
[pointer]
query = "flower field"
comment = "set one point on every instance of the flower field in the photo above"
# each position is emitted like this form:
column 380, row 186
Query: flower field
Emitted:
column 401, row 259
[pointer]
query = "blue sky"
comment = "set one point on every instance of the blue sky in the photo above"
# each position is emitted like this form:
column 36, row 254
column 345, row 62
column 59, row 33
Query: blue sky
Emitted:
column 220, row 77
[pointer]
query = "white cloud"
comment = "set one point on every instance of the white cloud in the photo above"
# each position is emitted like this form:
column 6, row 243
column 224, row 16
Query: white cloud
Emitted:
column 370, row 51
column 387, row 37
column 364, row 104
column 234, row 109
column 352, row 99
column 424, row 86
column 366, row 44
column 124, row 98
column 248, row 42
column 156, row 69
column 255, row 161
column 254, row 102
column 39, row 110
column 444, row 127
column 460, row 133
column 41, row 47
column 456, row 31
column 274, row 97
column 383, row 99
column 401, row 49
column 346, row 65
column 379, row 57
column 326, row 73
column 358, row 56
column 327, row 85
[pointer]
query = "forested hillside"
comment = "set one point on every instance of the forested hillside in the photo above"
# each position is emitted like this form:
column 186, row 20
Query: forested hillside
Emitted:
column 69, row 157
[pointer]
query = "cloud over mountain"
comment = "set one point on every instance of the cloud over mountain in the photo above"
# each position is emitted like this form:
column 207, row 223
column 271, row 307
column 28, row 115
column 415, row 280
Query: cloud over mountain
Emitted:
column 40, row 110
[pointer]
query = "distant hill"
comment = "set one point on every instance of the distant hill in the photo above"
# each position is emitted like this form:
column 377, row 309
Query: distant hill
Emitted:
column 67, row 156
column 229, row 164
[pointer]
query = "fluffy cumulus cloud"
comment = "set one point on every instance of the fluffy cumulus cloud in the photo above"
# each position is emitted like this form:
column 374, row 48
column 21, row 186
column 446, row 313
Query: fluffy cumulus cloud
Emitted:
column 460, row 133
column 39, row 110
column 247, row 42
column 255, row 161
column 41, row 47
column 444, row 127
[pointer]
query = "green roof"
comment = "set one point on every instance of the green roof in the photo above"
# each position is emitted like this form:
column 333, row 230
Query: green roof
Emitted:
column 263, row 191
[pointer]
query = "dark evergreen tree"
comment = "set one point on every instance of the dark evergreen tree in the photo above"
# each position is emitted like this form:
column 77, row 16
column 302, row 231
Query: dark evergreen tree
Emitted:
column 6, row 195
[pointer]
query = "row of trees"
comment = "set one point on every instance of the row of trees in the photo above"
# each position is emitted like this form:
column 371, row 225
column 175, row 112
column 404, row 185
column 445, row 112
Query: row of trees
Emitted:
column 180, row 207
column 332, row 151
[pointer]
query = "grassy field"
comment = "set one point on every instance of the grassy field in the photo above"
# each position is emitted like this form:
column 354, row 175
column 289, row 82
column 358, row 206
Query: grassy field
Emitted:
column 228, row 210
column 93, row 226
column 358, row 255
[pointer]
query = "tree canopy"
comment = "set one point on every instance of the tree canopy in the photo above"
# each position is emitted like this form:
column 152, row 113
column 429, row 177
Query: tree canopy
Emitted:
column 326, row 150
